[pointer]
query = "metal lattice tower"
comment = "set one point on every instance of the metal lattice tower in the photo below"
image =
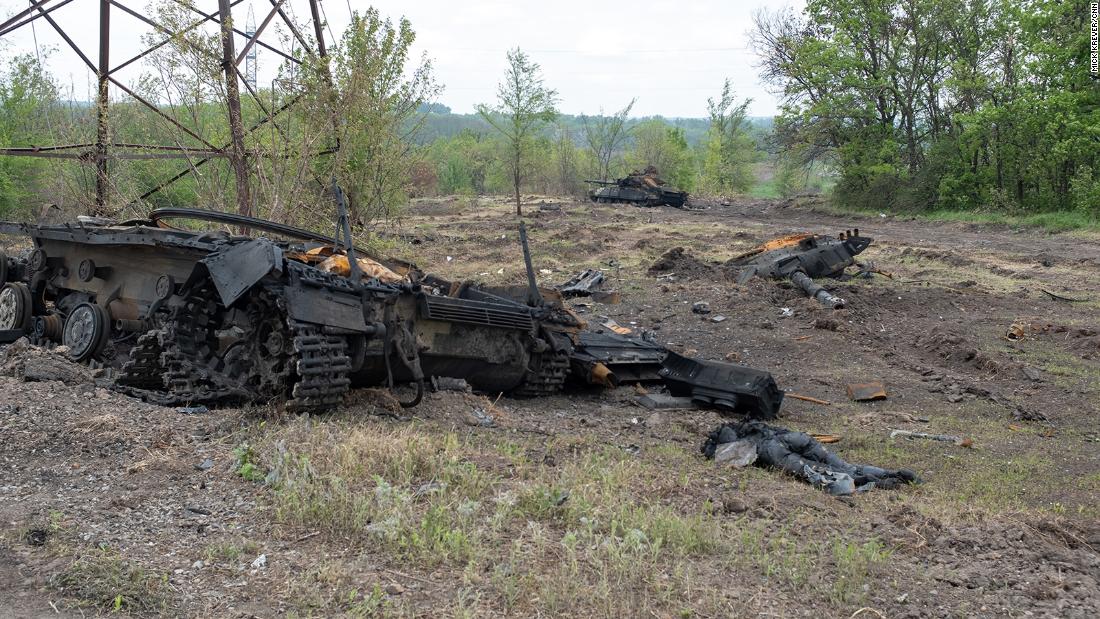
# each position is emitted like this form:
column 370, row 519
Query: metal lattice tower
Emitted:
column 250, row 59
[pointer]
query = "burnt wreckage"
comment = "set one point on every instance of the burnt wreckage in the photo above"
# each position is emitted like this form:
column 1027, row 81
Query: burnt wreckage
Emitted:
column 643, row 188
column 802, row 257
column 189, row 312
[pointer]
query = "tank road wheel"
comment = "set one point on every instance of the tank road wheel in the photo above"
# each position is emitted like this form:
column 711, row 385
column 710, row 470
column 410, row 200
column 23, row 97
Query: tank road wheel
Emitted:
column 15, row 307
column 85, row 331
column 259, row 360
column 3, row 269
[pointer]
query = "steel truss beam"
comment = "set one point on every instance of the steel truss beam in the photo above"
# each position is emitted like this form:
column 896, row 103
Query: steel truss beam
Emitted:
column 103, row 149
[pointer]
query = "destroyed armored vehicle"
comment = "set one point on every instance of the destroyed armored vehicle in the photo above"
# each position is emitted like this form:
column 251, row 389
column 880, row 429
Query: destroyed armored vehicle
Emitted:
column 802, row 257
column 184, row 307
column 640, row 189
column 208, row 315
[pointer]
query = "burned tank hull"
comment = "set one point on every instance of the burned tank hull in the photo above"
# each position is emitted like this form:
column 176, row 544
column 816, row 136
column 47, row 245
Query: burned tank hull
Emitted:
column 188, row 316
column 638, row 197
column 184, row 316
column 640, row 189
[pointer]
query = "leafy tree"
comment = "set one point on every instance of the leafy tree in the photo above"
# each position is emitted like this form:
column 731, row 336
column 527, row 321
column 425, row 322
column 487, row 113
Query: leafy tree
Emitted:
column 604, row 135
column 730, row 150
column 27, row 97
column 658, row 144
column 376, row 89
column 524, row 103
column 926, row 104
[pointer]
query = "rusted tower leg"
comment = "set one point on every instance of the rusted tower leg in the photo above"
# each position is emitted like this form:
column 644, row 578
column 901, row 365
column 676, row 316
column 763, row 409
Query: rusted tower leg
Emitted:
column 237, row 155
column 103, row 130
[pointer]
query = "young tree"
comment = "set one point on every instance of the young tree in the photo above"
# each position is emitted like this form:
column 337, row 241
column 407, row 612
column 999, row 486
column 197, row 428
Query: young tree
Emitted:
column 565, row 155
column 375, row 97
column 523, row 104
column 604, row 135
column 730, row 150
column 659, row 144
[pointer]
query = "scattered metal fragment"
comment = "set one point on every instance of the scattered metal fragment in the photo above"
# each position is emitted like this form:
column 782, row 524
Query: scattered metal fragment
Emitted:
column 447, row 383
column 660, row 401
column 1059, row 297
column 945, row 438
column 1017, row 331
column 582, row 284
column 615, row 327
column 725, row 386
column 700, row 307
column 867, row 392
column 607, row 297
column 37, row 537
column 800, row 455
column 806, row 398
column 802, row 257
column 482, row 418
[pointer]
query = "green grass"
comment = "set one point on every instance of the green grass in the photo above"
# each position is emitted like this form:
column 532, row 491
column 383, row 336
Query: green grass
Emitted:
column 1053, row 221
column 600, row 533
column 106, row 582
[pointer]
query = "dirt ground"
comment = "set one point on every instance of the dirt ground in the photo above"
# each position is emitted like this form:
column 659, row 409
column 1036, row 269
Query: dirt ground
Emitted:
column 587, row 504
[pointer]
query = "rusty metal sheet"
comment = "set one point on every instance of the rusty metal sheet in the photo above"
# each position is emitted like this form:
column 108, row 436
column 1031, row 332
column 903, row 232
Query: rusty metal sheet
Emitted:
column 867, row 392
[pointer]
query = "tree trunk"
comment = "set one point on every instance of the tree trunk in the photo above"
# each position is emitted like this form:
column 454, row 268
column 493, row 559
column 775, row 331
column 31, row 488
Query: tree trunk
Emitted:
column 515, row 185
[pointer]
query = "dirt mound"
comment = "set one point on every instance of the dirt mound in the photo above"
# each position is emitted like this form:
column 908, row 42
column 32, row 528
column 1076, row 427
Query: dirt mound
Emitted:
column 1083, row 341
column 950, row 257
column 33, row 364
column 956, row 351
column 678, row 261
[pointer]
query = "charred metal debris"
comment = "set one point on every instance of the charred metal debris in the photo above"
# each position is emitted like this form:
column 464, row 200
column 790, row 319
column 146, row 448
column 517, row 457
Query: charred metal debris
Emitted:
column 802, row 257
column 205, row 313
column 643, row 188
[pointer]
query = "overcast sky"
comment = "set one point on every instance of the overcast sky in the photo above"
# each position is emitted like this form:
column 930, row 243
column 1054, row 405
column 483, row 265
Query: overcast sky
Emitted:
column 671, row 55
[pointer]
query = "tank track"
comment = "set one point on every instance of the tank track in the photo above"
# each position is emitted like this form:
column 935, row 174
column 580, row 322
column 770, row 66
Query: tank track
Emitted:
column 546, row 374
column 321, row 366
column 144, row 370
column 178, row 364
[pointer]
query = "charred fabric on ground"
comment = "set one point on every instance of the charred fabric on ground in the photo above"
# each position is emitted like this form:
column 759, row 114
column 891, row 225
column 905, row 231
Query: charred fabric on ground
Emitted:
column 188, row 316
column 798, row 453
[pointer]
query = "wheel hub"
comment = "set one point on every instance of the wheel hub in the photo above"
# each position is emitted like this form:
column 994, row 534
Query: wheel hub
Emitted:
column 8, row 309
column 84, row 331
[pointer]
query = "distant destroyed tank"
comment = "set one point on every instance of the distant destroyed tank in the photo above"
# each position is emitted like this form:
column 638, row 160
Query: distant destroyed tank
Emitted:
column 802, row 257
column 643, row 188
column 184, row 307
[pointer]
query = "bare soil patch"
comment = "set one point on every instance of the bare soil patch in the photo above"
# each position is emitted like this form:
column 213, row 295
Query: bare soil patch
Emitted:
column 589, row 505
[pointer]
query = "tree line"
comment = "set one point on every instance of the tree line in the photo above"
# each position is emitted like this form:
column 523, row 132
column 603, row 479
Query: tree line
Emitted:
column 361, row 115
column 930, row 104
column 912, row 105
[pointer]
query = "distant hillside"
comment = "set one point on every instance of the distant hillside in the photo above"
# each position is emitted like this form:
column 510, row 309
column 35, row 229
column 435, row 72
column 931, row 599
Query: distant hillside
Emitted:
column 441, row 122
